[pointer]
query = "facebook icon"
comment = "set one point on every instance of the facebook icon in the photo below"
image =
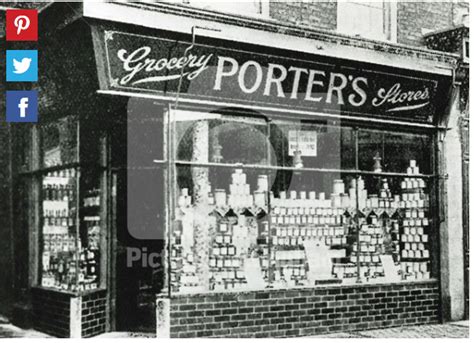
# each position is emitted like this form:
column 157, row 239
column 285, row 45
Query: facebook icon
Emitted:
column 22, row 106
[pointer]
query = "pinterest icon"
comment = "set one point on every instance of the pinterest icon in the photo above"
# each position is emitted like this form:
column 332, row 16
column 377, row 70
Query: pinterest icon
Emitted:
column 22, row 25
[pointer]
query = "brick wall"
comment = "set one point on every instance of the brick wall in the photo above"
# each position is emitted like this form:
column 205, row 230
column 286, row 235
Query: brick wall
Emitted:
column 51, row 312
column 93, row 314
column 303, row 312
column 415, row 17
column 318, row 14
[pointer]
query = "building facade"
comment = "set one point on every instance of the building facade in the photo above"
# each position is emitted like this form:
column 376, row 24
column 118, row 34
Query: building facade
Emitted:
column 258, row 169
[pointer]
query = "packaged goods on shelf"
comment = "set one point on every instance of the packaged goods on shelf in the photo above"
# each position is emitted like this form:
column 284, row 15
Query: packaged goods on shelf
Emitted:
column 394, row 225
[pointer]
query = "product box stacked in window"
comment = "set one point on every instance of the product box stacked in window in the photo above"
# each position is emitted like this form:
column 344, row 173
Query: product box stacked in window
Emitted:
column 59, row 230
column 415, row 226
column 378, row 234
column 235, row 241
column 299, row 217
column 89, row 254
column 70, row 260
column 183, row 275
column 360, row 236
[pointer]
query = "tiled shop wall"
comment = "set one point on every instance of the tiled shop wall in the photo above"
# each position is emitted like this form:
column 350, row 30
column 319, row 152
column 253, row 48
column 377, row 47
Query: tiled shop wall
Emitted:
column 414, row 19
column 278, row 313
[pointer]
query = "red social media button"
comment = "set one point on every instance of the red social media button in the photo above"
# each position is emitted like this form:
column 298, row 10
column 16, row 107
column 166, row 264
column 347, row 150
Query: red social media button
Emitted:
column 22, row 25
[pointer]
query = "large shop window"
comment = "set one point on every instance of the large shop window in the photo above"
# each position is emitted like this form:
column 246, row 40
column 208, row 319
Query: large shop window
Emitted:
column 67, row 210
column 281, row 204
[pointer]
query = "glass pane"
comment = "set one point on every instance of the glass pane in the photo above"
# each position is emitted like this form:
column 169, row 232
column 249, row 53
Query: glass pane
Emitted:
column 370, row 150
column 392, row 152
column 22, row 147
column 145, row 133
column 220, row 236
column 212, row 137
column 23, row 221
column 349, row 14
column 92, row 137
column 91, row 234
column 395, row 235
column 59, row 143
column 312, row 230
column 401, row 148
column 233, row 7
column 310, row 145
column 59, row 249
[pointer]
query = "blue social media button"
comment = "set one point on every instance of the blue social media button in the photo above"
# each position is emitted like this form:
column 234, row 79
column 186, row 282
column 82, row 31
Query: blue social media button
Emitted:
column 22, row 65
column 22, row 106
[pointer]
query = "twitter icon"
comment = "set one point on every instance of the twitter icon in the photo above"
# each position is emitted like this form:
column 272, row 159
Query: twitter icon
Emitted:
column 22, row 65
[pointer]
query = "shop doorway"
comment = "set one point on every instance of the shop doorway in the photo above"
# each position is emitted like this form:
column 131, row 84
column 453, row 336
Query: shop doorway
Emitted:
column 139, row 271
column 139, row 219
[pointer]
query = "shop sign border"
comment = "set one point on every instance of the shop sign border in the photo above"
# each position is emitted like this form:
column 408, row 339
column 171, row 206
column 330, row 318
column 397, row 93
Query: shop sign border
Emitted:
column 108, row 35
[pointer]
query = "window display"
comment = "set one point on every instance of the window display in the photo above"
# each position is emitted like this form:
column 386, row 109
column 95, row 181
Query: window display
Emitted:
column 59, row 251
column 234, row 234
column 71, row 211
column 70, row 257
column 295, row 219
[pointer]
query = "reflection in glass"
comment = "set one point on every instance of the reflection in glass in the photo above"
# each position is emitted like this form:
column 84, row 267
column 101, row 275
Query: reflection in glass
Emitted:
column 296, row 212
column 312, row 145
column 59, row 142
column 393, row 150
column 214, row 138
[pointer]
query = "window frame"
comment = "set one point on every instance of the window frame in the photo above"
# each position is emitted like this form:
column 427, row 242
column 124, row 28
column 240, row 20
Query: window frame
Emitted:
column 389, row 20
column 33, row 176
column 263, row 4
column 355, row 173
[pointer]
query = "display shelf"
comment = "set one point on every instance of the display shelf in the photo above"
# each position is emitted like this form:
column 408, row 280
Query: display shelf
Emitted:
column 290, row 226
column 70, row 256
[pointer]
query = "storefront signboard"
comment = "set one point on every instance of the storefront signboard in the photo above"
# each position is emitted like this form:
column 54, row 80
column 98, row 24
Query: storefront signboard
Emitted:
column 145, row 64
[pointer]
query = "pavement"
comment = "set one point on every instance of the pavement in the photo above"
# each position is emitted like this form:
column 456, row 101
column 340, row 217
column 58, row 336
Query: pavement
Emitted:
column 11, row 331
column 450, row 330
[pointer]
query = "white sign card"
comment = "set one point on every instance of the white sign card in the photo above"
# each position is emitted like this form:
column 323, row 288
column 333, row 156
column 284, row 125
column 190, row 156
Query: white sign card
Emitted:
column 319, row 261
column 390, row 269
column 253, row 273
column 303, row 140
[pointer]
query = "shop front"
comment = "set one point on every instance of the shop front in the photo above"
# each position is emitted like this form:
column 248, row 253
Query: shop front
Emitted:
column 301, row 190
column 226, row 189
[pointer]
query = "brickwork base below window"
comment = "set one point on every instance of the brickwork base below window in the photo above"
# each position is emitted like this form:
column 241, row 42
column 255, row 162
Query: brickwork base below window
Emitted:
column 304, row 312
column 52, row 313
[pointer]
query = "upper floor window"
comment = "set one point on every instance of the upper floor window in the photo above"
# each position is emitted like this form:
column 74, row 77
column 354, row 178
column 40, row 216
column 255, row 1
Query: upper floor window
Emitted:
column 248, row 8
column 375, row 20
